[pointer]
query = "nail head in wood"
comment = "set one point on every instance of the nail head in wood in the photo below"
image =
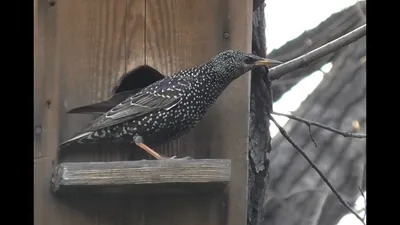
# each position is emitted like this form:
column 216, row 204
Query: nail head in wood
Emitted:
column 38, row 129
column 226, row 35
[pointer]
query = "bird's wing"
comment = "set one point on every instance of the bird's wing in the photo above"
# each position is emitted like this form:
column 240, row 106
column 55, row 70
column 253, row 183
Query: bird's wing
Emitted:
column 104, row 106
column 164, row 94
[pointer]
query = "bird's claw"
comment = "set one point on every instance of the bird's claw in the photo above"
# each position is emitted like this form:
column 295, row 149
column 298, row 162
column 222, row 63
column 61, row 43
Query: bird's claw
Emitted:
column 183, row 158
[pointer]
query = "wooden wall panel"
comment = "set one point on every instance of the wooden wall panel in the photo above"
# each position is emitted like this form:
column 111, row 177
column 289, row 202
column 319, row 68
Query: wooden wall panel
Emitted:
column 87, row 45
column 45, row 109
column 181, row 34
column 80, row 51
column 94, row 37
column 232, row 116
column 45, row 82
column 92, row 51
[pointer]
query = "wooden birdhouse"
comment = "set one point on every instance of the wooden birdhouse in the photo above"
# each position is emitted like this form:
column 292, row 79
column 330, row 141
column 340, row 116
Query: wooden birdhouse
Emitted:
column 83, row 50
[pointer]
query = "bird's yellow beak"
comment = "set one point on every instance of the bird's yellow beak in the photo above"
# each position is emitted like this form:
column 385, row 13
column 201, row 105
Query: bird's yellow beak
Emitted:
column 267, row 62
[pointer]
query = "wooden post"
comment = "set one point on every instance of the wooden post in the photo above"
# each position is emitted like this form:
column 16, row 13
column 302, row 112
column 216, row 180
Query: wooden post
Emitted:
column 83, row 46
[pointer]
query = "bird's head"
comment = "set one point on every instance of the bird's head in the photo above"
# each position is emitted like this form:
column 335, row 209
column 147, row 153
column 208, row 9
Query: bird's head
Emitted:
column 236, row 63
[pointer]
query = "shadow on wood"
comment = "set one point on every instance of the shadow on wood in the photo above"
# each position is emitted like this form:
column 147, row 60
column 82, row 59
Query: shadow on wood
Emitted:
column 145, row 210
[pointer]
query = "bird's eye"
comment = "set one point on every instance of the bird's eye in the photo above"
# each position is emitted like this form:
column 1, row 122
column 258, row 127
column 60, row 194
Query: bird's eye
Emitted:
column 249, row 60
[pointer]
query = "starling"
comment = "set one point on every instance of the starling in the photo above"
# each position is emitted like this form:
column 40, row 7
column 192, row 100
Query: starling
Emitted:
column 170, row 107
column 128, row 85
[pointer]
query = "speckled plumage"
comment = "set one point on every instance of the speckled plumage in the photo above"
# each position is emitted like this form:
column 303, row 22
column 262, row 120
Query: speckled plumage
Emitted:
column 168, row 108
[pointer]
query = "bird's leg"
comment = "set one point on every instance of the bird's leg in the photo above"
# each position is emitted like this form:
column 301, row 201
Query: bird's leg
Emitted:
column 139, row 142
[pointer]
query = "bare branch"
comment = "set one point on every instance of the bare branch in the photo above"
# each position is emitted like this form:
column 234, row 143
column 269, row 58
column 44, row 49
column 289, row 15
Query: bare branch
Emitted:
column 312, row 164
column 304, row 60
column 362, row 193
column 312, row 138
column 310, row 123
column 365, row 202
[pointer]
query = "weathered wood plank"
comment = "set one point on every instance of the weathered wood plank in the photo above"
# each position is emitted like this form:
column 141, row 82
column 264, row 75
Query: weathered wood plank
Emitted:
column 123, row 175
column 44, row 206
column 79, row 54
column 233, row 120
column 46, row 94
column 45, row 81
column 93, row 54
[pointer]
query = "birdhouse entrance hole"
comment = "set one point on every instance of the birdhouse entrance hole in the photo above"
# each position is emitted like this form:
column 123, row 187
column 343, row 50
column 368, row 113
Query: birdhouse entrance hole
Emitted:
column 138, row 78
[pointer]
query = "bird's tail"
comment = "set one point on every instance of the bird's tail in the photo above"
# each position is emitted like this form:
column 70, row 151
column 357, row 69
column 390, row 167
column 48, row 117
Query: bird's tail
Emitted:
column 76, row 139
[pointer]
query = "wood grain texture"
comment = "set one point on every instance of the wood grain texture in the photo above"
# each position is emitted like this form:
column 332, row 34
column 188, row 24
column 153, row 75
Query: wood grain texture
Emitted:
column 93, row 42
column 45, row 81
column 79, row 54
column 93, row 39
column 44, row 204
column 233, row 119
column 46, row 107
column 100, row 176
column 93, row 55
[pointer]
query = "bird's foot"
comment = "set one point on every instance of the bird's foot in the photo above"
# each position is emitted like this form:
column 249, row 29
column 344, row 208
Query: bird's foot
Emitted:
column 183, row 158
column 138, row 139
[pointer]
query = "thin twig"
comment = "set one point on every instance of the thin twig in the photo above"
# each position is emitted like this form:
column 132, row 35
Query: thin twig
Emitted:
column 312, row 164
column 306, row 59
column 312, row 138
column 362, row 193
column 365, row 202
column 313, row 123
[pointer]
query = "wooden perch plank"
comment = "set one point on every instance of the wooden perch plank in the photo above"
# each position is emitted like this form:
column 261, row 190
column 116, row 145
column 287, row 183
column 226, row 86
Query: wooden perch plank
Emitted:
column 122, row 175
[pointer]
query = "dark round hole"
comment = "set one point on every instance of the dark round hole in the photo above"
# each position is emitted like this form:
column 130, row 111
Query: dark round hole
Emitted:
column 138, row 78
